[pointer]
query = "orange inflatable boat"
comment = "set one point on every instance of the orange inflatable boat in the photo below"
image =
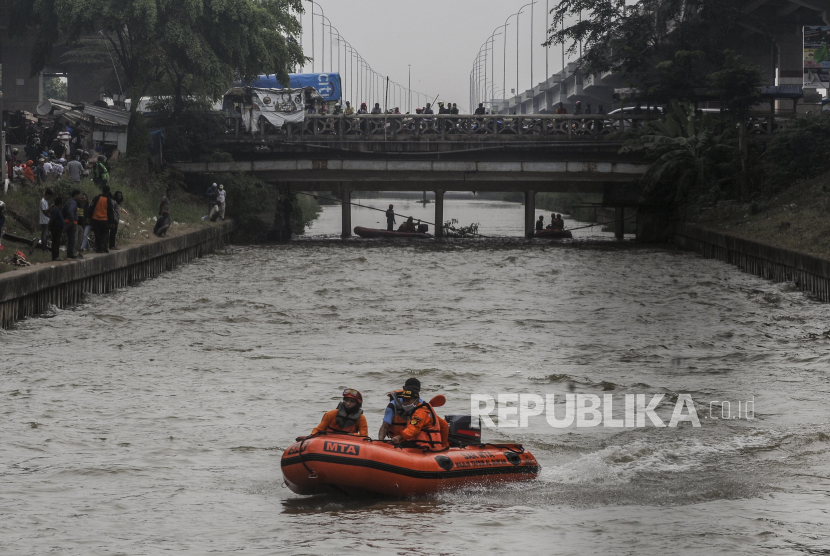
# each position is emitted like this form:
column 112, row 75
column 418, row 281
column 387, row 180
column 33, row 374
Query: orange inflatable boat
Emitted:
column 333, row 462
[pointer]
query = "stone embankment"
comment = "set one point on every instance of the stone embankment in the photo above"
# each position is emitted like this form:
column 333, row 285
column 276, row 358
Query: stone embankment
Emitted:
column 810, row 273
column 33, row 290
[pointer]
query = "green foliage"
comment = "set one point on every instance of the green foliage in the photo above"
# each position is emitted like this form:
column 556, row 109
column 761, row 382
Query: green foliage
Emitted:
column 253, row 204
column 737, row 85
column 138, row 137
column 677, row 77
column 691, row 162
column 797, row 152
column 178, row 47
column 668, row 48
column 250, row 203
column 187, row 132
column 54, row 87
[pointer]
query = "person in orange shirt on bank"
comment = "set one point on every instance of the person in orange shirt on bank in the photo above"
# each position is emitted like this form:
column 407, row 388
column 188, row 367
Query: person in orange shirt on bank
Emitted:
column 347, row 418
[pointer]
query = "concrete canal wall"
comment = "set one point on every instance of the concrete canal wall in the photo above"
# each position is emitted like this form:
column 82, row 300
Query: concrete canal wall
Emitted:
column 811, row 274
column 31, row 291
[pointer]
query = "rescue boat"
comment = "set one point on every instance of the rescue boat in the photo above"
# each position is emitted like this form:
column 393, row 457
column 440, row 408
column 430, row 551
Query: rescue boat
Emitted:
column 553, row 234
column 376, row 233
column 333, row 462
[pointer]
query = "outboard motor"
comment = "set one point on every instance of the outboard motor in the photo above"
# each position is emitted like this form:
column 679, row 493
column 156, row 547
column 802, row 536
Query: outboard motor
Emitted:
column 423, row 228
column 461, row 431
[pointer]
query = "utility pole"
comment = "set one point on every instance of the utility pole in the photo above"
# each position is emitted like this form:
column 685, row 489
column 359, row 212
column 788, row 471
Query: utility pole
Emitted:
column 313, row 61
column 409, row 93
column 547, row 48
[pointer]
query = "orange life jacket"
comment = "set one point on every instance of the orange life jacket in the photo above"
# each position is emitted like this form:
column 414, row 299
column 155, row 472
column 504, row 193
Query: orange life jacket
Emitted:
column 399, row 421
column 329, row 424
column 430, row 433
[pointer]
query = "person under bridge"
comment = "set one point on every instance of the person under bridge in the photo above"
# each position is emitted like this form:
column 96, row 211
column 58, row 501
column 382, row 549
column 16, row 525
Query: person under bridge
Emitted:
column 409, row 226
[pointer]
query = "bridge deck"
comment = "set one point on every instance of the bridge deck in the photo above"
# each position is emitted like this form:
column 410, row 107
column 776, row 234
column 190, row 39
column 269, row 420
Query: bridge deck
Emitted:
column 522, row 129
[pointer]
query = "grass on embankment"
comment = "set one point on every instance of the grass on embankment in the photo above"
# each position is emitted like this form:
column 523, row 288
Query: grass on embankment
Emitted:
column 142, row 194
column 795, row 219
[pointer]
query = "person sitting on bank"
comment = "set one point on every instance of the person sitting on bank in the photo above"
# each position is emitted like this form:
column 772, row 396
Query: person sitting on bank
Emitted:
column 540, row 224
column 347, row 418
column 409, row 226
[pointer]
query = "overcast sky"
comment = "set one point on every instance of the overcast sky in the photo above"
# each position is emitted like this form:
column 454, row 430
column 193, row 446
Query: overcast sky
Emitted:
column 439, row 38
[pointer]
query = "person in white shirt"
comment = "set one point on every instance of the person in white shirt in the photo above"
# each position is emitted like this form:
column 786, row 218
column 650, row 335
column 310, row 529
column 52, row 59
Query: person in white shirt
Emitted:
column 47, row 168
column 57, row 168
column 44, row 218
column 218, row 210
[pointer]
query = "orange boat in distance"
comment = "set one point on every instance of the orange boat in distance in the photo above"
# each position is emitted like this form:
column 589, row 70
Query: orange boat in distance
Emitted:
column 553, row 234
column 332, row 462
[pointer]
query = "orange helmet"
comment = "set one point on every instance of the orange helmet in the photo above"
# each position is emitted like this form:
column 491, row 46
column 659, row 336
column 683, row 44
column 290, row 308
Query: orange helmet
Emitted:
column 353, row 394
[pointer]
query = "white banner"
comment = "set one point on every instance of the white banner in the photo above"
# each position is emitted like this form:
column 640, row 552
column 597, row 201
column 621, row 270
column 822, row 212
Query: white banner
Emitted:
column 278, row 106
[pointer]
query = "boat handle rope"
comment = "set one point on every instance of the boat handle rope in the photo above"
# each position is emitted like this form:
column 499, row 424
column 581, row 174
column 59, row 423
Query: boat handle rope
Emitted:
column 311, row 474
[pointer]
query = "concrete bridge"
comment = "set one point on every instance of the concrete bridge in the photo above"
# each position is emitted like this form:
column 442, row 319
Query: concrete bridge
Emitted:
column 440, row 153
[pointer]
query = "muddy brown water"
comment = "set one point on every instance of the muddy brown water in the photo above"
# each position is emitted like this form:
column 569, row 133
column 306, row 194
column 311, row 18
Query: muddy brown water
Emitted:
column 152, row 420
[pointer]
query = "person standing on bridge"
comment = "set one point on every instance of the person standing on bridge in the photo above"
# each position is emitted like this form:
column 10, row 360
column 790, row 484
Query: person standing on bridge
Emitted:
column 481, row 110
column 561, row 109
column 376, row 110
column 390, row 218
column 349, row 111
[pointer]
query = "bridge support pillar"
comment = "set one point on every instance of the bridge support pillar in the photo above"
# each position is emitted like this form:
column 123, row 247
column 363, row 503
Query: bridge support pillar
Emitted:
column 346, row 208
column 530, row 213
column 439, row 213
column 619, row 222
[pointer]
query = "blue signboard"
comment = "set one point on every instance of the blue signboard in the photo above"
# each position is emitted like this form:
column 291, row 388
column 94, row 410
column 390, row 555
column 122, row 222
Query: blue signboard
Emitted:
column 327, row 84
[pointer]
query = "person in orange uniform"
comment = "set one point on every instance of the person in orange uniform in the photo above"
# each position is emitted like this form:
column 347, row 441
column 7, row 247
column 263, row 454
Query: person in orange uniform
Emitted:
column 347, row 418
column 396, row 417
column 424, row 427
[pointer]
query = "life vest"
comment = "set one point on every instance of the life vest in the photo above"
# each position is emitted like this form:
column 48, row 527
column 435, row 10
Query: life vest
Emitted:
column 430, row 435
column 354, row 424
column 100, row 171
column 344, row 422
column 401, row 418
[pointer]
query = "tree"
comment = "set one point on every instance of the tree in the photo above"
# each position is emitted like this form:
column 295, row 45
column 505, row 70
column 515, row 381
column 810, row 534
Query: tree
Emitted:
column 667, row 48
column 691, row 161
column 188, row 46
column 54, row 87
column 737, row 85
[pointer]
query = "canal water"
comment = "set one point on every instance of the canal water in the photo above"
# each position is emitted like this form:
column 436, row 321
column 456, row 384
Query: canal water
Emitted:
column 152, row 420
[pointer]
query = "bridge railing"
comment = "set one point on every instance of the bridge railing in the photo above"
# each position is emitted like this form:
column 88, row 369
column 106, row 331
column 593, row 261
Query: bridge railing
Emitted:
column 398, row 127
column 407, row 126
